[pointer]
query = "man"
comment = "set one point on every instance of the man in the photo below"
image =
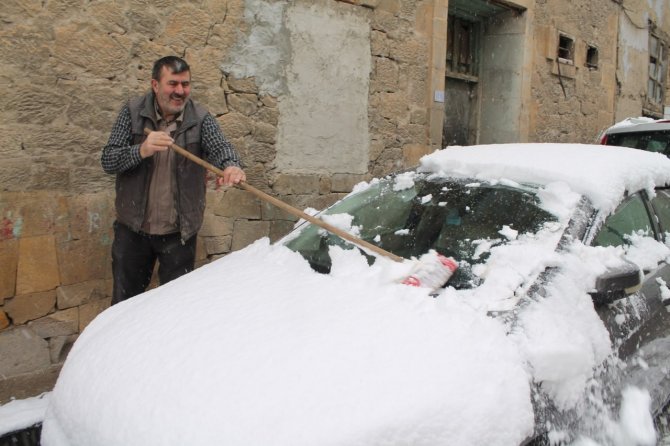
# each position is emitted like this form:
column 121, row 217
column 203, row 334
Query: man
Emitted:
column 160, row 195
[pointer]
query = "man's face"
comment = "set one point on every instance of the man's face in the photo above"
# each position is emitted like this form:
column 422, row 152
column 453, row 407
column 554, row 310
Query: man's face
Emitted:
column 172, row 91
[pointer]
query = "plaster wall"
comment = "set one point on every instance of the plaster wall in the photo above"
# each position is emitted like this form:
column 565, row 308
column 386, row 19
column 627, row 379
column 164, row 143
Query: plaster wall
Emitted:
column 315, row 57
column 328, row 75
column 633, row 68
column 639, row 19
column 503, row 54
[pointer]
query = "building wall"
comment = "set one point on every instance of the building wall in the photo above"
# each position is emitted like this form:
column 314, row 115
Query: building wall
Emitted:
column 316, row 96
column 308, row 129
column 637, row 19
column 504, row 75
column 572, row 102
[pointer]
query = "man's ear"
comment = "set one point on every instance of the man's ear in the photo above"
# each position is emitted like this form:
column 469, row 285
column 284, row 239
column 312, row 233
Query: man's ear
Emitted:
column 154, row 85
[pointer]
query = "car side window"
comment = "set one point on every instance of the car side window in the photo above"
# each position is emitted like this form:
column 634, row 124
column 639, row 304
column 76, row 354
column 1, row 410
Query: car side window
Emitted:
column 630, row 217
column 661, row 204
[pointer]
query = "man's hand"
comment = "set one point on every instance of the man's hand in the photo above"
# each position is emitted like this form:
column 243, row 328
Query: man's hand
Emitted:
column 155, row 142
column 231, row 175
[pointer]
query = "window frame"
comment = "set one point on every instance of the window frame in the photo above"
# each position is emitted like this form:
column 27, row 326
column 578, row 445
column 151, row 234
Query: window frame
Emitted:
column 565, row 53
column 462, row 56
column 657, row 68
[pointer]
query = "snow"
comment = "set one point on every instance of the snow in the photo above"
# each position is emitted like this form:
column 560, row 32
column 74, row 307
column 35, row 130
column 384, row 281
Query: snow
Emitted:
column 583, row 167
column 19, row 414
column 632, row 122
column 256, row 348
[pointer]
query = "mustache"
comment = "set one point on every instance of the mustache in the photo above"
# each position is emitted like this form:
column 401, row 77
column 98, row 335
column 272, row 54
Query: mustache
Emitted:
column 177, row 96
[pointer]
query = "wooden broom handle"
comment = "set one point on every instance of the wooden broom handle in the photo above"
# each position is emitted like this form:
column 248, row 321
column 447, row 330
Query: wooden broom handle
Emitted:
column 285, row 206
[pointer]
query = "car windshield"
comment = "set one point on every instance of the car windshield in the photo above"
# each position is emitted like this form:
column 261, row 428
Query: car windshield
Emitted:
column 657, row 141
column 459, row 219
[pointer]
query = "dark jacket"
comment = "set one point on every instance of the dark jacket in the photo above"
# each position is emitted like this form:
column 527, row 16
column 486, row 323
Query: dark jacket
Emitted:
column 199, row 134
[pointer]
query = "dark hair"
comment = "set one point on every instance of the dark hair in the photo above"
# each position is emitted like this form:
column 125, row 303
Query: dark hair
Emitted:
column 175, row 64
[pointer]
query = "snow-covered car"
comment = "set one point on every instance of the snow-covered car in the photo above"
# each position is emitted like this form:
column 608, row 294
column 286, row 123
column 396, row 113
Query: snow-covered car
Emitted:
column 639, row 133
column 553, row 329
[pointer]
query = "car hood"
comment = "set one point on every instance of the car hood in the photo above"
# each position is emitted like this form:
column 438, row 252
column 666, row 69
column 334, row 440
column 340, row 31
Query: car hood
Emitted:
column 256, row 348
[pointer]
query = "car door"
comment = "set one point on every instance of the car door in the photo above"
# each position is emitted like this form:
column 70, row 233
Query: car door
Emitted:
column 639, row 322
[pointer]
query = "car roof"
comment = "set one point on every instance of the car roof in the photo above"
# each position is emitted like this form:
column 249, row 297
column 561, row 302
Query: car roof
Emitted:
column 635, row 126
column 601, row 173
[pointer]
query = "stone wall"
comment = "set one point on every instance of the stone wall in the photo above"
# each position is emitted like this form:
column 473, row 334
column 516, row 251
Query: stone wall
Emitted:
column 68, row 67
column 572, row 102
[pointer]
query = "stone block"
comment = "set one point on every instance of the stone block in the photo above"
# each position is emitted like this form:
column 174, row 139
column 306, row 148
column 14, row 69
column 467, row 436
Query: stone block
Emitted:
column 28, row 307
column 393, row 106
column 343, row 182
column 318, row 202
column 60, row 323
column 279, row 229
column 247, row 232
column 15, row 174
column 266, row 133
column 245, row 85
column 215, row 100
column 69, row 296
column 218, row 245
column 33, row 214
column 386, row 74
column 236, row 125
column 215, row 225
column 90, row 216
column 269, row 115
column 37, row 265
column 83, row 260
column 90, row 310
column 247, row 104
column 370, row 3
column 418, row 116
column 269, row 101
column 9, row 257
column 239, row 204
column 325, row 185
column 386, row 22
column 392, row 6
column 272, row 212
column 200, row 252
column 28, row 384
column 22, row 351
column 109, row 286
column 260, row 153
column 59, row 347
column 4, row 320
column 187, row 26
column 286, row 184
column 111, row 56
column 379, row 45
column 257, row 177
column 412, row 153
column 204, row 64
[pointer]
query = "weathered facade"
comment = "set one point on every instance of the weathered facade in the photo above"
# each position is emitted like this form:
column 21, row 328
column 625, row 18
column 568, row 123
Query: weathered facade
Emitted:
column 316, row 95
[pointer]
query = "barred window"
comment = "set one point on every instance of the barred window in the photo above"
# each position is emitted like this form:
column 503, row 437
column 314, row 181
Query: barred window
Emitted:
column 566, row 49
column 462, row 47
column 657, row 67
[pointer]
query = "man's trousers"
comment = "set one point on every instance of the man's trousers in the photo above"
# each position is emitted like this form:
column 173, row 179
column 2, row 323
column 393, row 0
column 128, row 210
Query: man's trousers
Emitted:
column 134, row 256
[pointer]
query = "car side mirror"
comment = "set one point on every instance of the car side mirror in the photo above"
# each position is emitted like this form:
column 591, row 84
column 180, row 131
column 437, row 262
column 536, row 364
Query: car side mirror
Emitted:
column 617, row 283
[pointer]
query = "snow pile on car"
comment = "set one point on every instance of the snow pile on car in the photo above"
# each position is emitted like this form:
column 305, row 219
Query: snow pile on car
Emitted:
column 587, row 169
column 258, row 349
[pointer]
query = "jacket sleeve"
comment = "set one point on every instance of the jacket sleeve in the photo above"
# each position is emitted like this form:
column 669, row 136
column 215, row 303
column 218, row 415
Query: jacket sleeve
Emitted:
column 120, row 154
column 216, row 147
